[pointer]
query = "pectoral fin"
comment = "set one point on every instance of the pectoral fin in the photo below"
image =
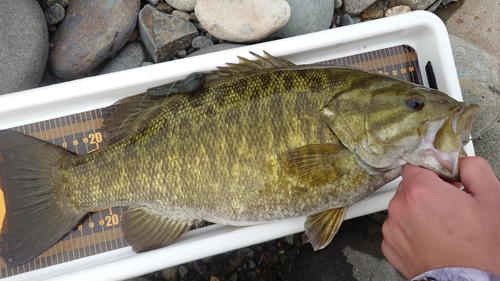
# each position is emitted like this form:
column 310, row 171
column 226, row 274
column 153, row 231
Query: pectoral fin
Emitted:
column 145, row 229
column 316, row 164
column 322, row 227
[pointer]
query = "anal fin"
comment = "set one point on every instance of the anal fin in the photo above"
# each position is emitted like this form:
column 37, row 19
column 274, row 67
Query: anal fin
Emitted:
column 322, row 227
column 144, row 229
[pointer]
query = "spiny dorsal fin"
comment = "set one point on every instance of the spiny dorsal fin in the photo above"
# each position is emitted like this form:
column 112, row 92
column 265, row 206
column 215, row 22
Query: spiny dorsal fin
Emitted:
column 315, row 164
column 322, row 227
column 145, row 229
column 246, row 66
column 192, row 84
column 130, row 115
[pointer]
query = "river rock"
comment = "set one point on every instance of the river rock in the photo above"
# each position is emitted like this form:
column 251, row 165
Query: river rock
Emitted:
column 91, row 32
column 201, row 42
column 397, row 10
column 474, row 21
column 244, row 20
column 355, row 7
column 163, row 34
column 413, row 4
column 130, row 56
column 54, row 14
column 215, row 48
column 307, row 17
column 24, row 45
column 480, row 83
column 183, row 5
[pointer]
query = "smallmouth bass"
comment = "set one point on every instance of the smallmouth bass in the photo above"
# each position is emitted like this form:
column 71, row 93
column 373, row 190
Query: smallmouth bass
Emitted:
column 258, row 141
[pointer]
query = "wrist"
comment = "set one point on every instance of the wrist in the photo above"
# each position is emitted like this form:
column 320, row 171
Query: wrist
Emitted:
column 451, row 273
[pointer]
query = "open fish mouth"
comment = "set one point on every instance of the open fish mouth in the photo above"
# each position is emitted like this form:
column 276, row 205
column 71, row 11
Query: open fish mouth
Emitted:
column 444, row 139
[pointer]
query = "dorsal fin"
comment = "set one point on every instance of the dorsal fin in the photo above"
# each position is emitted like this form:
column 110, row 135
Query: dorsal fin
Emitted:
column 130, row 115
column 246, row 66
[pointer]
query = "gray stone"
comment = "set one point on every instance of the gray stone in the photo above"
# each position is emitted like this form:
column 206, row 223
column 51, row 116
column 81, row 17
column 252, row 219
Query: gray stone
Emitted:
column 183, row 271
column 24, row 45
column 63, row 3
column 182, row 15
column 130, row 56
column 201, row 42
column 154, row 2
column 54, row 14
column 413, row 4
column 477, row 71
column 164, row 35
column 183, row 5
column 337, row 4
column 347, row 20
column 307, row 17
column 475, row 21
column 91, row 32
column 355, row 7
column 244, row 20
column 170, row 274
column 397, row 10
column 215, row 48
column 480, row 83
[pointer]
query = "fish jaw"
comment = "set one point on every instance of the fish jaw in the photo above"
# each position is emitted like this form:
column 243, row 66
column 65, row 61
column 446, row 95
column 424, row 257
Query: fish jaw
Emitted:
column 442, row 141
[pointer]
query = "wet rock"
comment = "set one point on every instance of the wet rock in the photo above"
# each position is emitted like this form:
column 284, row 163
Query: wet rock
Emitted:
column 242, row 21
column 355, row 7
column 397, row 10
column 91, row 32
column 163, row 34
column 24, row 45
column 413, row 4
column 337, row 4
column 183, row 5
column 130, row 56
column 201, row 42
column 54, row 14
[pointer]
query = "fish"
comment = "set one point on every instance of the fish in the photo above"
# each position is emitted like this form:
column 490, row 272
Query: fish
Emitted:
column 256, row 141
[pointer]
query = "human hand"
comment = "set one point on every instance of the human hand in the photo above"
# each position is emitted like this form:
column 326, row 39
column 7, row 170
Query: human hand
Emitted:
column 432, row 224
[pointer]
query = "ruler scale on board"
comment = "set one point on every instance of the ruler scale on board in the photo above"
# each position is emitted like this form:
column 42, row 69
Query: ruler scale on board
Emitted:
column 81, row 133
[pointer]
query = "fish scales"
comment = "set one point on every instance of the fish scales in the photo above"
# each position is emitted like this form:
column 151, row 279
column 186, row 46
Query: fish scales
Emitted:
column 258, row 141
column 240, row 117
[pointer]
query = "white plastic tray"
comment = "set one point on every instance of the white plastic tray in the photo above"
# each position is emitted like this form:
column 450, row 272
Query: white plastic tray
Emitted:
column 423, row 31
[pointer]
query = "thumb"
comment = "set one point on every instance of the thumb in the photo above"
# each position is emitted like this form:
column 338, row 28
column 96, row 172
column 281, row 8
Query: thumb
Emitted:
column 478, row 177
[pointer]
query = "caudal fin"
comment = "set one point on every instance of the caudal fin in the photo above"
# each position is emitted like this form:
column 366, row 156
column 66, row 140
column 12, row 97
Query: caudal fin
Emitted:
column 36, row 215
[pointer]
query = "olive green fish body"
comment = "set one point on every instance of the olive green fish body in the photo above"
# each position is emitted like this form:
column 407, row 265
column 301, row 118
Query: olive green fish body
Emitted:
column 216, row 155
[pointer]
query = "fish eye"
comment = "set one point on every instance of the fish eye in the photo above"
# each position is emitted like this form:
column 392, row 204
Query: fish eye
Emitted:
column 416, row 102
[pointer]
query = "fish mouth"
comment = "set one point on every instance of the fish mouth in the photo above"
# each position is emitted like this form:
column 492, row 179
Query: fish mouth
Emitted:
column 445, row 139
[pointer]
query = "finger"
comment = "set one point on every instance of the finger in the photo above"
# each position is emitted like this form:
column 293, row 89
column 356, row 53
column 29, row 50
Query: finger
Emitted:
column 417, row 175
column 478, row 177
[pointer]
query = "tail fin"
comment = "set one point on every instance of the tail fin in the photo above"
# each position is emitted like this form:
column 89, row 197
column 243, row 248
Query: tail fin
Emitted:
column 36, row 216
